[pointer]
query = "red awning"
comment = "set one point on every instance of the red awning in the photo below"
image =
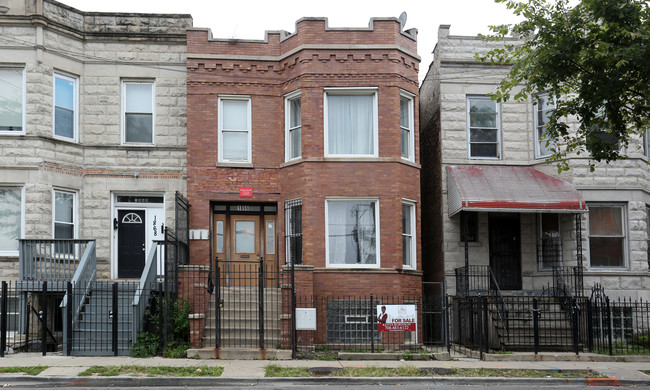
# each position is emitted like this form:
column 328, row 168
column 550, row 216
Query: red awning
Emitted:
column 508, row 188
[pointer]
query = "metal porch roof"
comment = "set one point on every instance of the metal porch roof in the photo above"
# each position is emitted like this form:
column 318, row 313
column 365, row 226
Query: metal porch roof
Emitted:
column 510, row 189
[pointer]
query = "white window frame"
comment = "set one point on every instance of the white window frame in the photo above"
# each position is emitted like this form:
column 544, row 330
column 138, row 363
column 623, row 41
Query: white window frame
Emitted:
column 22, row 218
column 412, row 215
column 377, row 232
column 411, row 139
column 624, row 229
column 123, row 113
column 498, row 127
column 75, row 216
column 23, row 103
column 536, row 110
column 75, row 105
column 287, row 126
column 646, row 143
column 249, row 129
column 369, row 91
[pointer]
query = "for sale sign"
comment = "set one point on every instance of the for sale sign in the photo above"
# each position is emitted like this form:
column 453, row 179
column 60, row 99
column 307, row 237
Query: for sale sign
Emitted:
column 396, row 318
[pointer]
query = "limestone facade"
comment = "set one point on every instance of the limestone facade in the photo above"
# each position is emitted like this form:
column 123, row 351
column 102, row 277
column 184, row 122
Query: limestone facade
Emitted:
column 97, row 57
column 454, row 76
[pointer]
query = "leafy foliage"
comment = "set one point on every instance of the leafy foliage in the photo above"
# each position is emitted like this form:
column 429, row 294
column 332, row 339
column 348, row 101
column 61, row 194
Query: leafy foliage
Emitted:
column 592, row 58
column 148, row 341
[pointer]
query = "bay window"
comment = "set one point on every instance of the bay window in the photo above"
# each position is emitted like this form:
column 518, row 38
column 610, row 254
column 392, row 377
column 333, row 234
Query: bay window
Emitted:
column 351, row 122
column 65, row 107
column 12, row 100
column 11, row 219
column 352, row 227
column 293, row 126
column 607, row 238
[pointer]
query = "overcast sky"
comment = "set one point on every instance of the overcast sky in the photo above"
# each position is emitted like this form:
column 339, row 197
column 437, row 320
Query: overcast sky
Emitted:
column 248, row 19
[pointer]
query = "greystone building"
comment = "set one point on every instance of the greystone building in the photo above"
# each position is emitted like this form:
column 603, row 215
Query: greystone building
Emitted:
column 495, row 211
column 92, row 130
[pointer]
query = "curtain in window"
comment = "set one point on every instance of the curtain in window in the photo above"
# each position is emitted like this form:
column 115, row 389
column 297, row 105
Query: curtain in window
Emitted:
column 352, row 232
column 11, row 99
column 10, row 218
column 350, row 124
column 606, row 237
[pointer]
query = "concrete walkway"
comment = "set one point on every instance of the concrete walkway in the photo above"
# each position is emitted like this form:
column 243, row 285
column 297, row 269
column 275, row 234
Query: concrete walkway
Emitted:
column 628, row 372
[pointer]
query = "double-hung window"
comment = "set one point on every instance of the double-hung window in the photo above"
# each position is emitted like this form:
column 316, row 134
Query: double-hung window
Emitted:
column 293, row 126
column 408, row 234
column 352, row 232
column 549, row 241
column 64, row 214
column 11, row 219
column 138, row 99
column 407, row 135
column 351, row 128
column 12, row 100
column 235, row 129
column 483, row 131
column 293, row 216
column 542, row 110
column 65, row 107
column 607, row 238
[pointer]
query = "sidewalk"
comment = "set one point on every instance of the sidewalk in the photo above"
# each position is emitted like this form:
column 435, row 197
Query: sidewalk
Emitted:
column 68, row 368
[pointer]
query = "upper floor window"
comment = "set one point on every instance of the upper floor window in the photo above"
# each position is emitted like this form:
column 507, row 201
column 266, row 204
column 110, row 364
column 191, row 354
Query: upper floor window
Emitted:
column 351, row 122
column 64, row 214
column 235, row 129
column 407, row 135
column 12, row 100
column 408, row 234
column 352, row 238
column 483, row 131
column 65, row 107
column 542, row 110
column 607, row 238
column 11, row 219
column 646, row 143
column 293, row 126
column 138, row 112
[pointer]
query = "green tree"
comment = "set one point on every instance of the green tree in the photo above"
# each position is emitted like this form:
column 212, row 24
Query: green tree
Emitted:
column 593, row 57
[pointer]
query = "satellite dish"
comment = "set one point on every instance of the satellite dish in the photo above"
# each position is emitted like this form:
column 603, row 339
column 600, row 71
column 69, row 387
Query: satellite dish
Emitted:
column 402, row 18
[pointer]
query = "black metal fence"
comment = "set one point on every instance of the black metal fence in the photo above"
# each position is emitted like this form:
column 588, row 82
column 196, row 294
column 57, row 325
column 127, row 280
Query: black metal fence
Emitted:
column 244, row 307
column 351, row 323
column 435, row 329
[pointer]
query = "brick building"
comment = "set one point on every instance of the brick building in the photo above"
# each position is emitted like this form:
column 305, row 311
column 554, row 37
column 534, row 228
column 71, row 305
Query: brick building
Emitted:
column 303, row 148
column 486, row 162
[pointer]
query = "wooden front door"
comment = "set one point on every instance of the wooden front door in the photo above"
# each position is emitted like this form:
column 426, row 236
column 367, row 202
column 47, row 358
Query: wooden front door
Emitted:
column 505, row 249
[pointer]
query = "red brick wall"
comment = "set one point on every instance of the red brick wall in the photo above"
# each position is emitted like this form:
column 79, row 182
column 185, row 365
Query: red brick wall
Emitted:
column 266, row 71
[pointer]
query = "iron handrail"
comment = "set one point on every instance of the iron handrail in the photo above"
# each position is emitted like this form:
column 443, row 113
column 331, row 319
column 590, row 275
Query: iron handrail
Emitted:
column 84, row 278
column 562, row 288
column 502, row 306
column 480, row 279
column 143, row 292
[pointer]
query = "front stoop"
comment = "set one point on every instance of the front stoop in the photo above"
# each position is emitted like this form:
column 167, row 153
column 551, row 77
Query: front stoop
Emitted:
column 239, row 354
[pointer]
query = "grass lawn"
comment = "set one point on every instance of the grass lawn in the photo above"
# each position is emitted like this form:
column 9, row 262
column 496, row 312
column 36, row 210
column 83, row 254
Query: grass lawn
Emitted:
column 278, row 371
column 33, row 370
column 152, row 371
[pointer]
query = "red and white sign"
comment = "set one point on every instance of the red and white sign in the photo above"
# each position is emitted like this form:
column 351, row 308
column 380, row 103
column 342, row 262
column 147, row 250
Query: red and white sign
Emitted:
column 245, row 192
column 396, row 318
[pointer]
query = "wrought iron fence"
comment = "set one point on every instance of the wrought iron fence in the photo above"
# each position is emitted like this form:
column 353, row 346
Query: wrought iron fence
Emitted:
column 351, row 323
column 434, row 314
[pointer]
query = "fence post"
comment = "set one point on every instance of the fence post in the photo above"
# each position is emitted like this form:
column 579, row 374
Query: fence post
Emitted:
column 68, row 316
column 43, row 318
column 609, row 327
column 217, row 305
column 3, row 320
column 536, row 324
column 260, row 293
column 485, row 329
column 372, row 325
column 114, row 315
column 294, row 335
column 162, row 310
column 590, row 328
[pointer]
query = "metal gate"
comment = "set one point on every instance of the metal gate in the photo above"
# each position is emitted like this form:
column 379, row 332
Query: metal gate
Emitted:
column 247, row 305
column 434, row 314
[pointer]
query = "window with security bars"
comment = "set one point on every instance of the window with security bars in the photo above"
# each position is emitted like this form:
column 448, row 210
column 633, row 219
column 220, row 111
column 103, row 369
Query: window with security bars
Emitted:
column 549, row 241
column 350, row 322
column 293, row 216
